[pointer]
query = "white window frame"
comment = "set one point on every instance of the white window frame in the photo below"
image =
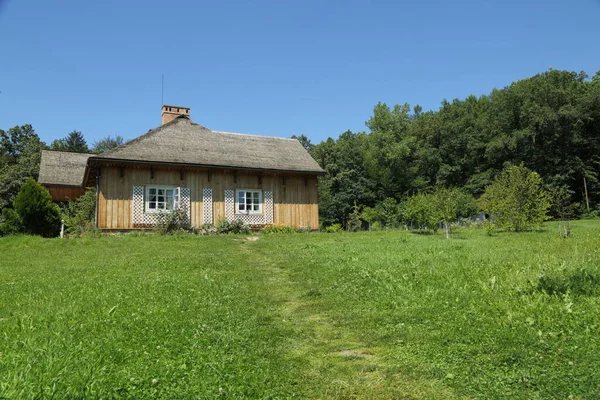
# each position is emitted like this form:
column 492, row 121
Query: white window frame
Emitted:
column 245, row 191
column 176, row 198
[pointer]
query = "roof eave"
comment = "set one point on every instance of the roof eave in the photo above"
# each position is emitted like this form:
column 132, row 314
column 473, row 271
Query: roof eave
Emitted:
column 119, row 160
column 59, row 185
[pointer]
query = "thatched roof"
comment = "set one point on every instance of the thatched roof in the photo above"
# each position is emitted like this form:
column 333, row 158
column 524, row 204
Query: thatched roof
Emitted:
column 182, row 141
column 62, row 168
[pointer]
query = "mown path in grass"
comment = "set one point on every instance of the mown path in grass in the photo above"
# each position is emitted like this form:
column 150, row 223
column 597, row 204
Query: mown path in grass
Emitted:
column 375, row 315
column 396, row 315
column 333, row 361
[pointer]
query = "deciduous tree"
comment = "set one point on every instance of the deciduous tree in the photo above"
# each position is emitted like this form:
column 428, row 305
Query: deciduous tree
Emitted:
column 516, row 199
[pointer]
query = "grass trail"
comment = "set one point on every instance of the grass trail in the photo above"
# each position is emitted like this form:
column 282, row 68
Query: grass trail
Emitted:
column 379, row 315
column 334, row 363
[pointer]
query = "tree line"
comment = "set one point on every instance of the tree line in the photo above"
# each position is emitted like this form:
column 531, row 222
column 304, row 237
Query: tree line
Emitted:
column 427, row 168
column 548, row 123
column 21, row 151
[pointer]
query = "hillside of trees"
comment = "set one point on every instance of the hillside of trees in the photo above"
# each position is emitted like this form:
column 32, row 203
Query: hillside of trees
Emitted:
column 550, row 123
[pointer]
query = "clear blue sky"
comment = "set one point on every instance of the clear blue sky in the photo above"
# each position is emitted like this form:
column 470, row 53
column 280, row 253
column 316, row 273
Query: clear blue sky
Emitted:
column 271, row 67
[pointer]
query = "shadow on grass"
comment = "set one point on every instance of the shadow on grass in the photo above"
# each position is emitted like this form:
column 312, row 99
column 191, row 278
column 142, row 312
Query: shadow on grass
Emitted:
column 583, row 282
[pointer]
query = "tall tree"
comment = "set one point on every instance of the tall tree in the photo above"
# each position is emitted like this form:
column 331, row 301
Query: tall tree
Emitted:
column 304, row 141
column 74, row 141
column 107, row 143
column 20, row 153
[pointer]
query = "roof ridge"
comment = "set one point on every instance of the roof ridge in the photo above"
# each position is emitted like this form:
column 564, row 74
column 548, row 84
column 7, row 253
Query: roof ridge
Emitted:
column 150, row 132
column 70, row 152
column 251, row 134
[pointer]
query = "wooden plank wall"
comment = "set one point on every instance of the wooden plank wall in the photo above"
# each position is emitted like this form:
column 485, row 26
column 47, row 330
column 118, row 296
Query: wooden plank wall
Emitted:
column 65, row 193
column 294, row 196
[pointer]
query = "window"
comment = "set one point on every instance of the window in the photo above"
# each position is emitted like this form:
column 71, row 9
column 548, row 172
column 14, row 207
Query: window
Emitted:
column 162, row 198
column 248, row 202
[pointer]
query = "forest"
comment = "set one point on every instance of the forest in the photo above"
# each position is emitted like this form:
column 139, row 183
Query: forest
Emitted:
column 548, row 123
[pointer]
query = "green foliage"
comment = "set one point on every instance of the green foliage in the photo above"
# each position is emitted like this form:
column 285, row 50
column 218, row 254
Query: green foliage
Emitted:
column 516, row 199
column 442, row 207
column 489, row 227
column 354, row 223
column 420, row 211
column 107, row 143
column 168, row 223
column 20, row 153
column 74, row 141
column 207, row 229
column 549, row 122
column 304, row 141
column 334, row 228
column 10, row 223
column 279, row 229
column 235, row 227
column 79, row 214
column 40, row 216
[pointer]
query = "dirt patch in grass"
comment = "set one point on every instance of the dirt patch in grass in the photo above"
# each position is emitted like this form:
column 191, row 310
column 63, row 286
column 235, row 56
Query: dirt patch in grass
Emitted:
column 354, row 354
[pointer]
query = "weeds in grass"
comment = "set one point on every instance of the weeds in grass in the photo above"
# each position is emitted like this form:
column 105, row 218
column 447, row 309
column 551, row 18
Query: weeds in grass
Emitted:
column 583, row 282
column 374, row 315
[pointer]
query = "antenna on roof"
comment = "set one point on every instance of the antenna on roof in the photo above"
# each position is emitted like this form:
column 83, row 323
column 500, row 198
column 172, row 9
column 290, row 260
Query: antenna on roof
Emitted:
column 162, row 91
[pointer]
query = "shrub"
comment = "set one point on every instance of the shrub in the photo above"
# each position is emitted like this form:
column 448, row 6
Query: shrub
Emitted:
column 420, row 210
column 207, row 229
column 169, row 222
column 79, row 214
column 11, row 223
column 40, row 216
column 354, row 221
column 279, row 229
column 516, row 199
column 335, row 228
column 237, row 226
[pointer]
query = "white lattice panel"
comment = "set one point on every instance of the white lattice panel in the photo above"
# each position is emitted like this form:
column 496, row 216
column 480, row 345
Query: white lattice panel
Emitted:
column 229, row 205
column 207, row 206
column 268, row 207
column 251, row 219
column 185, row 202
column 138, row 205
column 140, row 217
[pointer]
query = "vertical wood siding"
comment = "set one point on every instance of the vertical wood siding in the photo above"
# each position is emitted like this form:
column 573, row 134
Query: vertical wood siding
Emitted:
column 65, row 193
column 294, row 197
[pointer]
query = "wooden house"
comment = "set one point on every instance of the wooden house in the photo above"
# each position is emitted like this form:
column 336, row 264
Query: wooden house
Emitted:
column 203, row 173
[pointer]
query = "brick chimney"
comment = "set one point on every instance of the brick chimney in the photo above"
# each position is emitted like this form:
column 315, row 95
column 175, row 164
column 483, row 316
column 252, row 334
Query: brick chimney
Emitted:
column 169, row 113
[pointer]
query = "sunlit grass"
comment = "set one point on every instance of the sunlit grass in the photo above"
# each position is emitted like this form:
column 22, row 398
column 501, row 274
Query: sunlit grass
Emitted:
column 363, row 315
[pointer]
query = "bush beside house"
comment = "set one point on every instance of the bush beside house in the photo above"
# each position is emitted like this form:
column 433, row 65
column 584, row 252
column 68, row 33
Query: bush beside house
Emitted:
column 34, row 211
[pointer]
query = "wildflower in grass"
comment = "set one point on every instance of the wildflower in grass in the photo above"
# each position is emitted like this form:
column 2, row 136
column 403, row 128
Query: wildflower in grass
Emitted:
column 154, row 381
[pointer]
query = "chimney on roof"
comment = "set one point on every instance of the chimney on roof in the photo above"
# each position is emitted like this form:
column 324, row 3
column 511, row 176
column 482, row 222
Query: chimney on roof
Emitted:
column 169, row 113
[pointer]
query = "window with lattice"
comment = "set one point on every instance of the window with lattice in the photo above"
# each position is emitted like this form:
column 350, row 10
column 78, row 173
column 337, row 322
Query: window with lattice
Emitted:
column 162, row 198
column 248, row 201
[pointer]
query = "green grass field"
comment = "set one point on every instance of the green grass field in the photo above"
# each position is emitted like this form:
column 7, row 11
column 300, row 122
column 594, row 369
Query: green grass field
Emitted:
column 373, row 315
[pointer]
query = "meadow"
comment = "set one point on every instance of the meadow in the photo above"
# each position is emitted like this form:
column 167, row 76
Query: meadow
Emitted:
column 368, row 315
